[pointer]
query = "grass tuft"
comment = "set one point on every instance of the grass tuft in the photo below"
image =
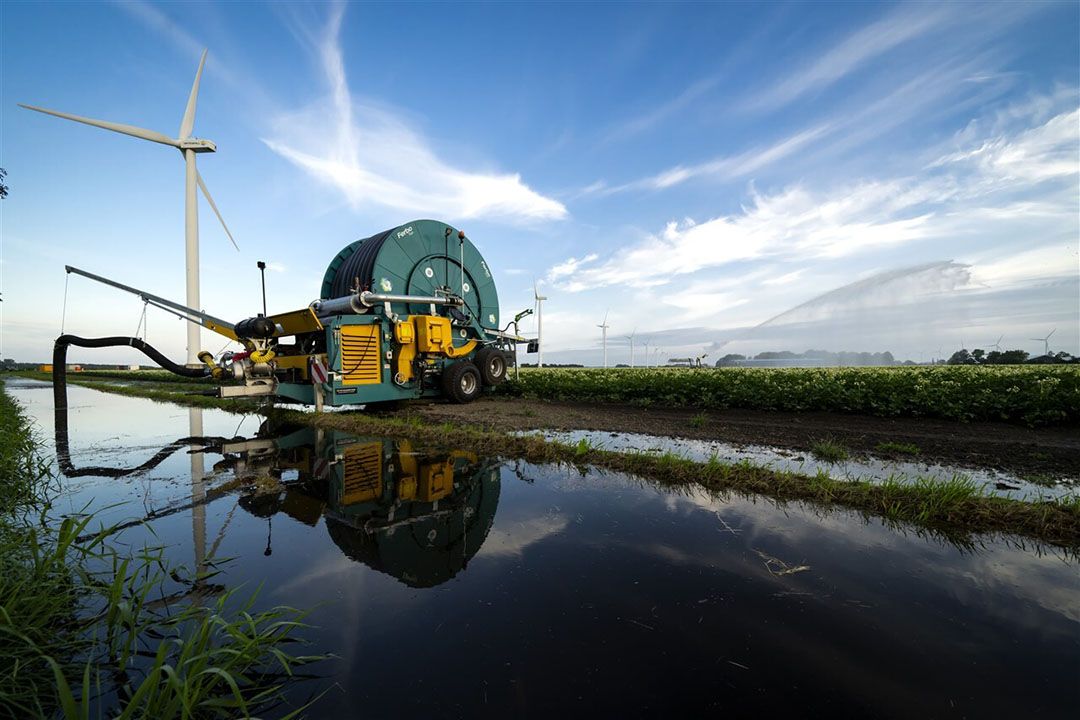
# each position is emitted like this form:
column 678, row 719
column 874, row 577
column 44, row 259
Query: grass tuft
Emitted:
column 828, row 450
column 897, row 448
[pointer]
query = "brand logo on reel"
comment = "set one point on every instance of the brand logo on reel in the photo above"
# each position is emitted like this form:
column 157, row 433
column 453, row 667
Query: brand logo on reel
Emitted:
column 404, row 233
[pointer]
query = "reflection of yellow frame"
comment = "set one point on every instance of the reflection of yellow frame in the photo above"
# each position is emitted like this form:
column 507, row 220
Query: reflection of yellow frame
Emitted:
column 362, row 475
column 436, row 481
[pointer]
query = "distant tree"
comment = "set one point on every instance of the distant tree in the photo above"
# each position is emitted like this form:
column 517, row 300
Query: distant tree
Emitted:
column 729, row 360
column 979, row 355
column 1014, row 357
column 3, row 184
column 961, row 357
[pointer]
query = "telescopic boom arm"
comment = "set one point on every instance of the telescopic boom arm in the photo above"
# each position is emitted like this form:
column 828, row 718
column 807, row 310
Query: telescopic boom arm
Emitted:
column 182, row 311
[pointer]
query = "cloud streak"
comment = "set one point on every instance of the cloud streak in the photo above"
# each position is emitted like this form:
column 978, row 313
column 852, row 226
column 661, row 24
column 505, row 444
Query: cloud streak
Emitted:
column 849, row 55
column 972, row 192
column 372, row 158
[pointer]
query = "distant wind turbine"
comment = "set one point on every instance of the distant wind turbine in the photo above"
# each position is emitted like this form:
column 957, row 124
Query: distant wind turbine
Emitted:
column 539, row 305
column 997, row 345
column 188, row 147
column 604, row 328
column 630, row 337
column 1045, row 341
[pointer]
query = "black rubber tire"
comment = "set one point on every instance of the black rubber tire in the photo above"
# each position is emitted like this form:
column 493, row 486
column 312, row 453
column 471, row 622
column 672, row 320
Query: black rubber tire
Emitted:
column 492, row 366
column 461, row 382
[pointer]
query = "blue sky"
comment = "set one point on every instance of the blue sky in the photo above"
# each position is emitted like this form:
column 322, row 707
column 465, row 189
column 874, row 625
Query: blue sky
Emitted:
column 694, row 170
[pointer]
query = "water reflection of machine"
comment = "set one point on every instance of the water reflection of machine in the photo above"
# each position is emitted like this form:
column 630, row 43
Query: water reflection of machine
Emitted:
column 417, row 516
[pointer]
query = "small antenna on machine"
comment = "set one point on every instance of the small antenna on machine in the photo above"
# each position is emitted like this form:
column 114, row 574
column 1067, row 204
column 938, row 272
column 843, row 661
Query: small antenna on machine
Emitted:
column 262, row 274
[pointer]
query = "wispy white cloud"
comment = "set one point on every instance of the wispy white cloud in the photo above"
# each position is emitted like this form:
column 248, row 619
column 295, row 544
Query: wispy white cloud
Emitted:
column 1041, row 153
column 904, row 25
column 372, row 157
column 727, row 167
column 970, row 191
column 863, row 121
column 662, row 112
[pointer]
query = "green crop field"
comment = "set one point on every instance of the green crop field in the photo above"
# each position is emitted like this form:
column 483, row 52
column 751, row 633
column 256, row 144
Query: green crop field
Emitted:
column 1033, row 395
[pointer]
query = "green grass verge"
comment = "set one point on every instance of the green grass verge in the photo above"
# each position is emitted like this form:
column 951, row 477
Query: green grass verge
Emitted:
column 828, row 450
column 1032, row 395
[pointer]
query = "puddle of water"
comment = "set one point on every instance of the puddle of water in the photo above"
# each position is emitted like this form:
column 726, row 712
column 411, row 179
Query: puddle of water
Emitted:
column 455, row 585
column 872, row 469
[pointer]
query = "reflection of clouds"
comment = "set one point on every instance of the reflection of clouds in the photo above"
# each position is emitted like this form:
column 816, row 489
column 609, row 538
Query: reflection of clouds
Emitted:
column 512, row 540
column 1001, row 579
column 331, row 565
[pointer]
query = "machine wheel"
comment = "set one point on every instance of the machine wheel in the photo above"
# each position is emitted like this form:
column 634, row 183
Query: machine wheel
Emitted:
column 492, row 366
column 461, row 382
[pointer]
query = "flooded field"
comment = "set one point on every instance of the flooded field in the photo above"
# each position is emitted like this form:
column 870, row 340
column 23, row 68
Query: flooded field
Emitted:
column 453, row 585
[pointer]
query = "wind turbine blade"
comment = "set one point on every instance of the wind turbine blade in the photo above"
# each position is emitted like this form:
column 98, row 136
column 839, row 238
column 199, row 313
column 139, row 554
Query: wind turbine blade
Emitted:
column 1051, row 333
column 536, row 290
column 131, row 130
column 206, row 194
column 189, row 112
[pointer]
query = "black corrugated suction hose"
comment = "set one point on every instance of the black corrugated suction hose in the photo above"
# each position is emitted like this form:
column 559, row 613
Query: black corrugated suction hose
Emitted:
column 60, row 360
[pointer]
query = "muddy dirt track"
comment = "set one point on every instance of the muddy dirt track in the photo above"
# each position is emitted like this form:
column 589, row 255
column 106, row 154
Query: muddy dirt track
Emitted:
column 1014, row 448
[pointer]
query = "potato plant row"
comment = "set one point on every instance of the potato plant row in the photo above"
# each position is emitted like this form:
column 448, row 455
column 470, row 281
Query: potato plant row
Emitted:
column 1032, row 395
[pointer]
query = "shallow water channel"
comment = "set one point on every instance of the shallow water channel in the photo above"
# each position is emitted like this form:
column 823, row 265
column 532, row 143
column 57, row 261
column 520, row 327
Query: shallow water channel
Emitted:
column 869, row 468
column 452, row 585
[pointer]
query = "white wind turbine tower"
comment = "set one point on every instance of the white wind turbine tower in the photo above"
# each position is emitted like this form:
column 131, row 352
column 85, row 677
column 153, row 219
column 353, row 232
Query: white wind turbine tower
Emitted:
column 630, row 337
column 604, row 328
column 539, row 305
column 188, row 147
column 1046, row 341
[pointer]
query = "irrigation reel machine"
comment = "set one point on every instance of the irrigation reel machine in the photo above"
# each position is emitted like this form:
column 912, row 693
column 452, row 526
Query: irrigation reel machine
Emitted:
column 407, row 313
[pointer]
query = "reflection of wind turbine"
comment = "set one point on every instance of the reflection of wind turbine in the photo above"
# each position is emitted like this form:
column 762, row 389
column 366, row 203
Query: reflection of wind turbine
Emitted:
column 997, row 345
column 198, row 494
column 604, row 328
column 1046, row 341
column 188, row 146
column 539, row 300
column 630, row 337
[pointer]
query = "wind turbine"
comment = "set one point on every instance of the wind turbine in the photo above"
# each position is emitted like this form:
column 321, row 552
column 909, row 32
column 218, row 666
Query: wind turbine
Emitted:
column 604, row 328
column 630, row 337
column 1046, row 341
column 997, row 345
column 646, row 352
column 539, row 305
column 188, row 147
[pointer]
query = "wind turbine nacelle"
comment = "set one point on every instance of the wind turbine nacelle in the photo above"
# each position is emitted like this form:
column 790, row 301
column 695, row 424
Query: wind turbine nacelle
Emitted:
column 197, row 145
